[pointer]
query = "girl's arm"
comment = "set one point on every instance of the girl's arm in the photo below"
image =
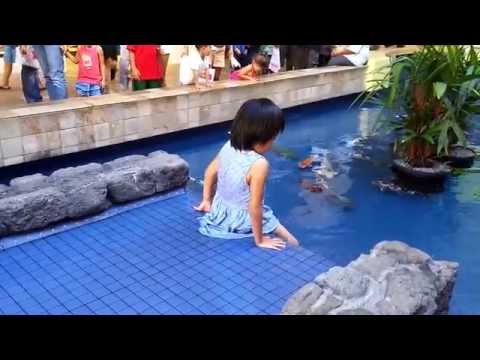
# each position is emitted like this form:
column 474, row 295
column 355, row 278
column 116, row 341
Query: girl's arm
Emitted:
column 72, row 58
column 102, row 64
column 243, row 73
column 208, row 186
column 257, row 179
column 135, row 72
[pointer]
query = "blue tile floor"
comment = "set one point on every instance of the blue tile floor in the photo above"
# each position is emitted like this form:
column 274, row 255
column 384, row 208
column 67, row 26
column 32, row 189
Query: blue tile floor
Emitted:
column 150, row 260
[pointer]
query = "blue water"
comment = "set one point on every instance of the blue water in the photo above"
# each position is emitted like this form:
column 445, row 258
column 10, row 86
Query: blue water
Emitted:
column 445, row 225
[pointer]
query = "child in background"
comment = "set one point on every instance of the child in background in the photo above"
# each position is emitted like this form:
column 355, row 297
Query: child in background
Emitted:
column 252, row 71
column 146, row 66
column 91, row 70
column 194, row 68
column 239, row 173
column 30, row 75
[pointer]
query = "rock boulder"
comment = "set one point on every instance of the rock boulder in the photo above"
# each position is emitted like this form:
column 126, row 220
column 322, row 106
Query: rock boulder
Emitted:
column 33, row 210
column 394, row 279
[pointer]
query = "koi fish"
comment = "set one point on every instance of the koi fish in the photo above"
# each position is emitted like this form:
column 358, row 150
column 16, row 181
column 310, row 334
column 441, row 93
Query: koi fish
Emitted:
column 306, row 163
column 311, row 186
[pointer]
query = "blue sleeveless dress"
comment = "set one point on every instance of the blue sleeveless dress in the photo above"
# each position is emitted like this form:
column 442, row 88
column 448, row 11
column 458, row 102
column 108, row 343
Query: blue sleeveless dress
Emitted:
column 229, row 217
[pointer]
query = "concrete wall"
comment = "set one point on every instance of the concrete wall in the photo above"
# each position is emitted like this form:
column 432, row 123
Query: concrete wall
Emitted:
column 48, row 130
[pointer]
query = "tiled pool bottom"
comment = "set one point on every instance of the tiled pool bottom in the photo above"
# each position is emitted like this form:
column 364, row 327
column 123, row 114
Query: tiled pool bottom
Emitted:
column 150, row 260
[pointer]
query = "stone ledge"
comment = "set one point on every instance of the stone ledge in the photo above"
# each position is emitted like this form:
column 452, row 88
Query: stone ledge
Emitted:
column 46, row 130
column 394, row 279
column 36, row 201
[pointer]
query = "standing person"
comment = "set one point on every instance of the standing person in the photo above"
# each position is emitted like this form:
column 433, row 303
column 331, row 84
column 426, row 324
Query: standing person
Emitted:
column 194, row 67
column 240, row 52
column 8, row 61
column 124, row 68
column 350, row 55
column 30, row 75
column 219, row 53
column 325, row 55
column 239, row 173
column 146, row 66
column 110, row 54
column 165, row 50
column 91, row 70
column 297, row 57
column 51, row 61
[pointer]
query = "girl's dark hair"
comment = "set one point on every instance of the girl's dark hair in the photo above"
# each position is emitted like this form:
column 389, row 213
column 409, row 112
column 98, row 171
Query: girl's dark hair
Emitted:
column 260, row 59
column 257, row 121
column 200, row 46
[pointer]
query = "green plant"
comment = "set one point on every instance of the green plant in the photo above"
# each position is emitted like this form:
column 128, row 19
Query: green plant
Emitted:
column 427, row 99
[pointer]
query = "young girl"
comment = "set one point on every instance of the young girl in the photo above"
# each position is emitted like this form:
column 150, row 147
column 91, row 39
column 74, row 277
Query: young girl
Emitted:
column 252, row 71
column 239, row 173
column 91, row 70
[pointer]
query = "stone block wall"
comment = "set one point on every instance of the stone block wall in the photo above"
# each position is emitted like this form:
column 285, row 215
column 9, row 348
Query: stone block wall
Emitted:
column 77, row 124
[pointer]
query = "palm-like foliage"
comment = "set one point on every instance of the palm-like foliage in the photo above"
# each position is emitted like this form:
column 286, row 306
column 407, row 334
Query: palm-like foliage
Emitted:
column 428, row 98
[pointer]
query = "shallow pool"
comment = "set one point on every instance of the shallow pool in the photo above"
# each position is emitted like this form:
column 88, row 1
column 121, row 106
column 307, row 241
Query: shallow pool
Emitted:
column 445, row 224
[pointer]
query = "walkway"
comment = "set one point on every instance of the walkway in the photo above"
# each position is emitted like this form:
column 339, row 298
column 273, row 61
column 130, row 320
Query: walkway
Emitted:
column 150, row 260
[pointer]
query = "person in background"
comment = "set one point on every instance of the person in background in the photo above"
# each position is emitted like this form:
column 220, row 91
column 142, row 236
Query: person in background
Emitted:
column 194, row 67
column 146, row 66
column 233, row 193
column 267, row 51
column 252, row 71
column 110, row 54
column 325, row 54
column 252, row 51
column 30, row 75
column 91, row 70
column 8, row 61
column 218, row 54
column 350, row 55
column 297, row 57
column 124, row 68
column 240, row 52
column 51, row 62
column 165, row 50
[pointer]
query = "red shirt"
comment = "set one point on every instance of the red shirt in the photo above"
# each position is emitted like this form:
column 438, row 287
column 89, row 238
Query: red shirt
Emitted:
column 89, row 65
column 147, row 61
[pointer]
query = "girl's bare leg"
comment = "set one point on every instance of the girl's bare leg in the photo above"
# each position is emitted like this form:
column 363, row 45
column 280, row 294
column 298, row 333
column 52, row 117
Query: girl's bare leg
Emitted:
column 284, row 234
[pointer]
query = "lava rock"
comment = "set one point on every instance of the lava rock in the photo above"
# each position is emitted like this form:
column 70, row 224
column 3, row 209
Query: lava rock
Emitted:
column 394, row 279
column 170, row 170
column 33, row 210
column 72, row 172
column 130, row 183
column 122, row 162
column 85, row 187
column 4, row 191
column 135, row 177
column 28, row 183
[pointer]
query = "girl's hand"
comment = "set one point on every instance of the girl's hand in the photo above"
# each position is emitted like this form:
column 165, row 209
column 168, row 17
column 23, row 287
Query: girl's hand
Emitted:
column 135, row 73
column 271, row 243
column 204, row 206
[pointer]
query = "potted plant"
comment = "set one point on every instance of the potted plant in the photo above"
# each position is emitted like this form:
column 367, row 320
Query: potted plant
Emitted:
column 427, row 99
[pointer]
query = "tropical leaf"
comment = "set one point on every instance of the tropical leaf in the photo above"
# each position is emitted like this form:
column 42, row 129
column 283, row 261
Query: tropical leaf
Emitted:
column 439, row 88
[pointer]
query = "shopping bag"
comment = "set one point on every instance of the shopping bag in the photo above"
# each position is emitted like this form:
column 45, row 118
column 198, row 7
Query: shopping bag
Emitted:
column 275, row 60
